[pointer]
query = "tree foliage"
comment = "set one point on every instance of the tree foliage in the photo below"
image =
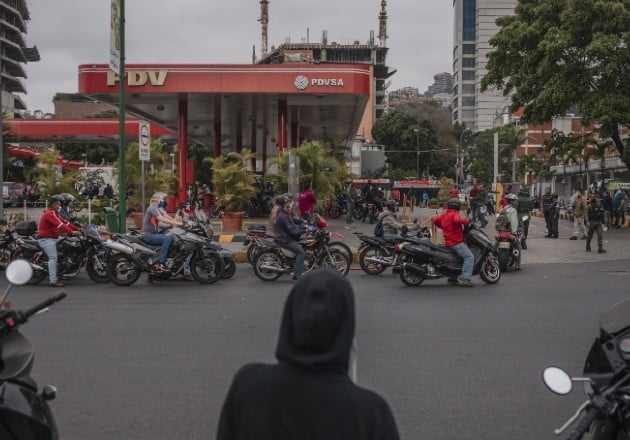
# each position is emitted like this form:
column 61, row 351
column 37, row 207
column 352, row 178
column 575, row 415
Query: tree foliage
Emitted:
column 403, row 135
column 555, row 54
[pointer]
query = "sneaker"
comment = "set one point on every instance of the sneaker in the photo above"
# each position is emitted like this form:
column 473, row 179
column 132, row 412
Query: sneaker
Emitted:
column 56, row 284
column 188, row 277
column 573, row 238
column 464, row 283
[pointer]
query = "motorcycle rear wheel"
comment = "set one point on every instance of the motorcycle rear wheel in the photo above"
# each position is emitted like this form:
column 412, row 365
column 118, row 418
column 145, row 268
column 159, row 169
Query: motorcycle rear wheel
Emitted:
column 344, row 248
column 490, row 271
column 267, row 258
column 504, row 259
column 371, row 252
column 123, row 271
column 207, row 269
column 410, row 278
column 38, row 276
column 337, row 261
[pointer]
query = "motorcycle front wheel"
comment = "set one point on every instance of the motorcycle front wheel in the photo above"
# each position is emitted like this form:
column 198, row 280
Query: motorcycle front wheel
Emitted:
column 368, row 267
column 207, row 269
column 263, row 261
column 123, row 271
column 490, row 271
column 337, row 260
column 96, row 268
column 229, row 269
column 344, row 248
column 410, row 278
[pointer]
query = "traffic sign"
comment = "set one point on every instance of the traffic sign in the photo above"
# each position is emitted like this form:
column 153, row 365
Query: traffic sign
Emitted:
column 144, row 140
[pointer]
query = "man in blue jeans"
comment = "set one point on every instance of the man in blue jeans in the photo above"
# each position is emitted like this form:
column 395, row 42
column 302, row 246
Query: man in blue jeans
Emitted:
column 152, row 218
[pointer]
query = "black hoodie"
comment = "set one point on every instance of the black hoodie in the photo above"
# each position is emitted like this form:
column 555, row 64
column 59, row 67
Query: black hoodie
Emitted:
column 307, row 395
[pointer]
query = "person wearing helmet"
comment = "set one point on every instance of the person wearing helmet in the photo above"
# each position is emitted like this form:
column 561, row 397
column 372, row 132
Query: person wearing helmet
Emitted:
column 452, row 228
column 51, row 225
column 392, row 228
column 64, row 200
column 511, row 214
column 153, row 216
column 287, row 234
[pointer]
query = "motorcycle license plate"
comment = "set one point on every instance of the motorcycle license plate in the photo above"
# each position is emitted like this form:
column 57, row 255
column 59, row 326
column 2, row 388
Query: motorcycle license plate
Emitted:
column 504, row 245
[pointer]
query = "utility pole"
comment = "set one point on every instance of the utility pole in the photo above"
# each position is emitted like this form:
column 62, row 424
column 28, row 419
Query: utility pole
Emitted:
column 417, row 152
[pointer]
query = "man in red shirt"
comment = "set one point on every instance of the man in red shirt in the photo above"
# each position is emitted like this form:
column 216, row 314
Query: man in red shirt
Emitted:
column 451, row 224
column 51, row 225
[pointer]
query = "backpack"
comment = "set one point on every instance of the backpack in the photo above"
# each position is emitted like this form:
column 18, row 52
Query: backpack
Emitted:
column 502, row 223
column 378, row 229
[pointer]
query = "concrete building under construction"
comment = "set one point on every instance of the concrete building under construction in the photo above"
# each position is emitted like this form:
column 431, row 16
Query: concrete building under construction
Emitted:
column 14, row 53
column 372, row 53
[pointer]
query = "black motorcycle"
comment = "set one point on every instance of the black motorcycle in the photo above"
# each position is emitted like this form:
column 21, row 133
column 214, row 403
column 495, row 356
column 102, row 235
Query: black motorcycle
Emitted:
column 272, row 260
column 74, row 253
column 428, row 261
column 606, row 377
column 133, row 256
column 24, row 410
column 376, row 254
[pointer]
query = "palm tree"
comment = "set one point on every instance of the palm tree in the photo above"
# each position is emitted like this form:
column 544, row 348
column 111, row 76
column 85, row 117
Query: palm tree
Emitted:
column 529, row 164
column 510, row 138
column 598, row 149
column 561, row 150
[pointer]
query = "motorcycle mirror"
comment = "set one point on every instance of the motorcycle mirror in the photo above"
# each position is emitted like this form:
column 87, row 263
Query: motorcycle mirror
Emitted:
column 19, row 272
column 557, row 380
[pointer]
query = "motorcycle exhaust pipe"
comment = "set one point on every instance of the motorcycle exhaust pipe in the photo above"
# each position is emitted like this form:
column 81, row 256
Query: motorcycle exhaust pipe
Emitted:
column 375, row 260
column 273, row 268
column 414, row 268
column 119, row 247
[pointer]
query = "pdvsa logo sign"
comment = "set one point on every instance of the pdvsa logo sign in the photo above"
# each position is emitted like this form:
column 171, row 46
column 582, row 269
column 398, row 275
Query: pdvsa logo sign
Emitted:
column 302, row 83
column 136, row 78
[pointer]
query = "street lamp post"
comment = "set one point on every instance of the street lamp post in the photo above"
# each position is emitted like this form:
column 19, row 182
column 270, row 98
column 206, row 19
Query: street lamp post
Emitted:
column 417, row 152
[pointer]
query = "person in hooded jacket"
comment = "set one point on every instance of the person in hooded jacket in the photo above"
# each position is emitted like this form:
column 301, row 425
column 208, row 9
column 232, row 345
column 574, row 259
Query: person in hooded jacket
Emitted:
column 308, row 394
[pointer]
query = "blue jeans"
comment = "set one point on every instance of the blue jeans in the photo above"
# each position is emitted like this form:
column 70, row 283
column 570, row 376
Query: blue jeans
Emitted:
column 162, row 240
column 469, row 260
column 300, row 255
column 49, row 245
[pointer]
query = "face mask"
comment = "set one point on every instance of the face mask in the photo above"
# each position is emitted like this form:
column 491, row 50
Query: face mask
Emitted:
column 162, row 204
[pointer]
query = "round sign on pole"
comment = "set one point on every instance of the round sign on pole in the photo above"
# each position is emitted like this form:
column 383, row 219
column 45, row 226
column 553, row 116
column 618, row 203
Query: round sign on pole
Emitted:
column 144, row 140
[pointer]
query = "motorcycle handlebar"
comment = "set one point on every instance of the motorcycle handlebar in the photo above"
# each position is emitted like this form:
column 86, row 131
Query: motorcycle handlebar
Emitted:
column 50, row 301
column 584, row 424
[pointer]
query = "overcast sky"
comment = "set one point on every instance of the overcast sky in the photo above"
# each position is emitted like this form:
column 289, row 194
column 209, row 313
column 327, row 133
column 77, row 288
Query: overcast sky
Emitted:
column 73, row 32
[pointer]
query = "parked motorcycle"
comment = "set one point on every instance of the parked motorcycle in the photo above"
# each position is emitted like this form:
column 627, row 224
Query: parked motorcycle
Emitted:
column 135, row 256
column 24, row 409
column 338, row 207
column 428, row 261
column 74, row 253
column 376, row 254
column 8, row 245
column 605, row 415
column 272, row 260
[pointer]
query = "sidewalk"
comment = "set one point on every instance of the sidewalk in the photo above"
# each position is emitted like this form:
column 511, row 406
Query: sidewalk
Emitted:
column 540, row 250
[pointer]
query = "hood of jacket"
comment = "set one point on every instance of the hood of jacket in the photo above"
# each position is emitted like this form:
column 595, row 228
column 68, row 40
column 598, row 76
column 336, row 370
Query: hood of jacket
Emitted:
column 317, row 326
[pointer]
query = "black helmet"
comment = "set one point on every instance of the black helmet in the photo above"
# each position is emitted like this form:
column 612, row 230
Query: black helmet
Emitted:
column 282, row 200
column 454, row 203
column 289, row 196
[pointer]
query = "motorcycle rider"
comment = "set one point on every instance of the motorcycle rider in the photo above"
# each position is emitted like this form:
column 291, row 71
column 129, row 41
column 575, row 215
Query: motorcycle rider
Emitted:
column 452, row 228
column 392, row 228
column 153, row 216
column 287, row 234
column 51, row 225
column 512, row 215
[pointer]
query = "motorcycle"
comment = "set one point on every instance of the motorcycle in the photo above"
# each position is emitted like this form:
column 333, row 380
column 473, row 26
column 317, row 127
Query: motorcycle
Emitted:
column 8, row 245
column 272, row 260
column 134, row 256
column 338, row 207
column 24, row 409
column 376, row 254
column 428, row 261
column 74, row 253
column 606, row 377
column 506, row 250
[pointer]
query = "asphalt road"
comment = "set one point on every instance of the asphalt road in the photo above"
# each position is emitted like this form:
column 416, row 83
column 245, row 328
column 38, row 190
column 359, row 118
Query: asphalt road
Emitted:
column 155, row 361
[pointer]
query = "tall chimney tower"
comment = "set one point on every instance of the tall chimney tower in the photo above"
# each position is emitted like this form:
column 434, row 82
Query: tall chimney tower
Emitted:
column 264, row 21
column 382, row 25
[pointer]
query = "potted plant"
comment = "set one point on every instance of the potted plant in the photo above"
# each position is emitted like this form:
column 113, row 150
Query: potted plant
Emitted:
column 234, row 185
column 434, row 203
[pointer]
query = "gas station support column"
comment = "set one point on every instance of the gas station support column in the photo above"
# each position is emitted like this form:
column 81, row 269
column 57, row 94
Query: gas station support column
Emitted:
column 182, row 140
column 216, row 148
column 282, row 125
